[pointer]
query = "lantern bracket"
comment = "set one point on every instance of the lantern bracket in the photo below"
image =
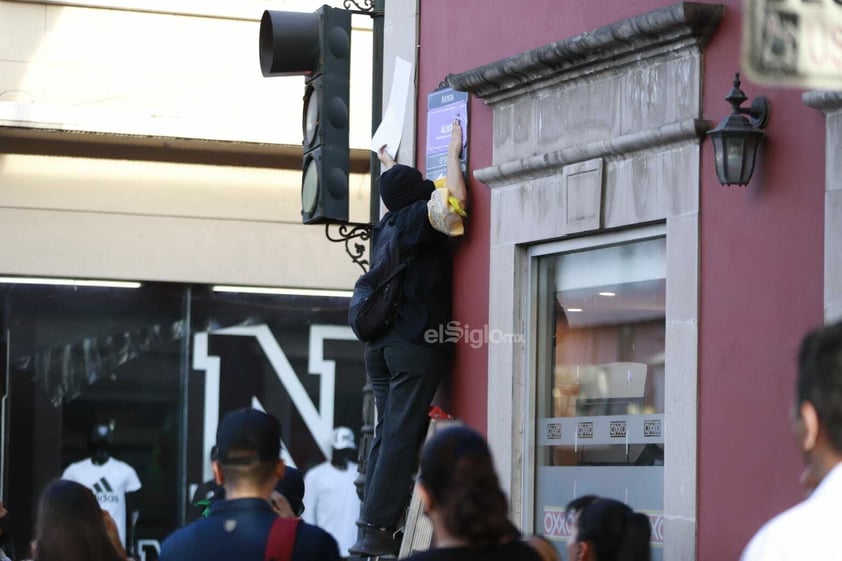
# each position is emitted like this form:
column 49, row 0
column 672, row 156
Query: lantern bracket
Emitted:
column 757, row 113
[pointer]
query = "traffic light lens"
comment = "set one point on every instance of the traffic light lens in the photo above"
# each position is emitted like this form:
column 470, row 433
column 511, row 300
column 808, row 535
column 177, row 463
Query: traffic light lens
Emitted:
column 311, row 116
column 310, row 187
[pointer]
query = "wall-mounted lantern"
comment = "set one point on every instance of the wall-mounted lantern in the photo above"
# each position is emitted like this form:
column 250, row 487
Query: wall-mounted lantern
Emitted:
column 736, row 137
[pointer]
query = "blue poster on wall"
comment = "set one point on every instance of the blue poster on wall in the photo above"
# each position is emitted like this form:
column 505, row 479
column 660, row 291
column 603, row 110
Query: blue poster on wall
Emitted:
column 443, row 106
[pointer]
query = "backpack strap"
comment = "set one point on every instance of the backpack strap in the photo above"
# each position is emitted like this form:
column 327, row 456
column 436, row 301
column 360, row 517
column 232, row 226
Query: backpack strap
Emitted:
column 281, row 539
column 396, row 272
column 391, row 223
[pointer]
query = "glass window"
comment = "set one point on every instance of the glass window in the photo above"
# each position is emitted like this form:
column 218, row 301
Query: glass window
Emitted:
column 74, row 357
column 600, row 381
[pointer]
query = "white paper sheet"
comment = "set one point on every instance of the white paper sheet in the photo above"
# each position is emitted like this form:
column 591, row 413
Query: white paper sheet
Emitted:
column 391, row 127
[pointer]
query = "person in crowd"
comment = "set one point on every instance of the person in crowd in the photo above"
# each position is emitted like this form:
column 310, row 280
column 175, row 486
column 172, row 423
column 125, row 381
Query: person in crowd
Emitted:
column 405, row 364
column 809, row 529
column 461, row 494
column 243, row 525
column 7, row 544
column 287, row 498
column 608, row 530
column 204, row 495
column 331, row 501
column 71, row 526
column 571, row 518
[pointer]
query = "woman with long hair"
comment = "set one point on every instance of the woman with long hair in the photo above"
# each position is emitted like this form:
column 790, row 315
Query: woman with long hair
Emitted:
column 461, row 494
column 608, row 530
column 71, row 526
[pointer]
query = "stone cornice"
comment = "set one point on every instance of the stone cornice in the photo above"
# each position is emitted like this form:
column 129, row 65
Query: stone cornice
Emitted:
column 551, row 162
column 672, row 28
column 826, row 101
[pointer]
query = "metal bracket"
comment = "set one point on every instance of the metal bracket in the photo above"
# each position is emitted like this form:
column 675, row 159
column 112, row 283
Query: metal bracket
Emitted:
column 758, row 113
column 348, row 232
column 367, row 6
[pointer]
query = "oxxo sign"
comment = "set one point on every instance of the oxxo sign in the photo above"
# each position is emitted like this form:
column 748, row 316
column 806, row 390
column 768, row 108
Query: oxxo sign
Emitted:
column 600, row 430
column 617, row 429
column 584, row 430
column 557, row 525
column 651, row 428
column 793, row 42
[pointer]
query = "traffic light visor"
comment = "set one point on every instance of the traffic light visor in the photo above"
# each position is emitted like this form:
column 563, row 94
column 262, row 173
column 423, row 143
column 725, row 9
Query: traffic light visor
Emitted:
column 289, row 43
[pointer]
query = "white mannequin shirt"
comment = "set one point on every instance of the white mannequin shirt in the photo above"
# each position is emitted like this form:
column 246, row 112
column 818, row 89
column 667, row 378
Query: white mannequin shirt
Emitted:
column 110, row 482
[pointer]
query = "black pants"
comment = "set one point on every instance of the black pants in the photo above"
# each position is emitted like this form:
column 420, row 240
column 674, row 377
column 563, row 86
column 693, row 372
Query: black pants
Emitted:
column 404, row 377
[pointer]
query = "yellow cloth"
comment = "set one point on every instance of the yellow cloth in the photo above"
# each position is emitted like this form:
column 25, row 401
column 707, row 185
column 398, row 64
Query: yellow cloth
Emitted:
column 446, row 213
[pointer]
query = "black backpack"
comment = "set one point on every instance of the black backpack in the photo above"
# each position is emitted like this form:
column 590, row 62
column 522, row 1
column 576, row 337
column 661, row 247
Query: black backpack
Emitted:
column 377, row 292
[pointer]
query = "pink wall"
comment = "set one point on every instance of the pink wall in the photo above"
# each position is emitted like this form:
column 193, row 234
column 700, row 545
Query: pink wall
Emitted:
column 762, row 259
column 761, row 256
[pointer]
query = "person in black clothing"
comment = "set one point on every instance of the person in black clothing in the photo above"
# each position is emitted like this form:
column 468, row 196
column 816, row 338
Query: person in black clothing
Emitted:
column 238, row 527
column 609, row 530
column 405, row 365
column 461, row 494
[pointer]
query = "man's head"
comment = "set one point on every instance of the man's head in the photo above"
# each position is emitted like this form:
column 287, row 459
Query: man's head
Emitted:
column 818, row 403
column 248, row 446
column 571, row 514
column 343, row 439
column 344, row 448
column 291, row 489
column 401, row 185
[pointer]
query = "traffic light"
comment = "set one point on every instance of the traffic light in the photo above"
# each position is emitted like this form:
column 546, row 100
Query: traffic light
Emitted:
column 317, row 45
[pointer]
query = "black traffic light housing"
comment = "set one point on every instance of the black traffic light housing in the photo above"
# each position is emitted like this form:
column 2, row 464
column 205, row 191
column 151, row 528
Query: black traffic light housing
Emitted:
column 317, row 45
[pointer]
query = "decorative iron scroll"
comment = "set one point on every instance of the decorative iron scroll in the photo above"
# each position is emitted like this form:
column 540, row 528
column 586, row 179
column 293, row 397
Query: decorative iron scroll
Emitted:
column 367, row 5
column 349, row 232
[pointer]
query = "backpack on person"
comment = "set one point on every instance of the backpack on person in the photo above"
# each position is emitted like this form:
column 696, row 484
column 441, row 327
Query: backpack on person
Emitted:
column 377, row 292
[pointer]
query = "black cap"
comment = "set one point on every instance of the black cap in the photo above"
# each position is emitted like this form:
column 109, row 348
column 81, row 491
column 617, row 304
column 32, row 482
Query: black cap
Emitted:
column 247, row 436
column 291, row 486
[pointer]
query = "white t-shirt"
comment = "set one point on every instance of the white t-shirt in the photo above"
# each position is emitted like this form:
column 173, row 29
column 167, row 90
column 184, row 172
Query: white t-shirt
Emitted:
column 331, row 502
column 809, row 530
column 110, row 482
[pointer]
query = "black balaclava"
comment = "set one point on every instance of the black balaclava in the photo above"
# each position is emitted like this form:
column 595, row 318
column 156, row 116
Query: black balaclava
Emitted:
column 401, row 185
column 341, row 458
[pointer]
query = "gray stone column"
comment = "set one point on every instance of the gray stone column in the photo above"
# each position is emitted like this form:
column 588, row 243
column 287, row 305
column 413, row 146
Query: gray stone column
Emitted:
column 831, row 104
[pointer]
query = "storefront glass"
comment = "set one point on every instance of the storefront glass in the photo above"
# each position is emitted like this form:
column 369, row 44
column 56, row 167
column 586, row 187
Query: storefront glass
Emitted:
column 160, row 364
column 599, row 403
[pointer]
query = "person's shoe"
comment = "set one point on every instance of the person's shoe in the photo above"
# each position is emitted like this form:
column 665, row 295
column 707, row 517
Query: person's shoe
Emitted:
column 377, row 542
